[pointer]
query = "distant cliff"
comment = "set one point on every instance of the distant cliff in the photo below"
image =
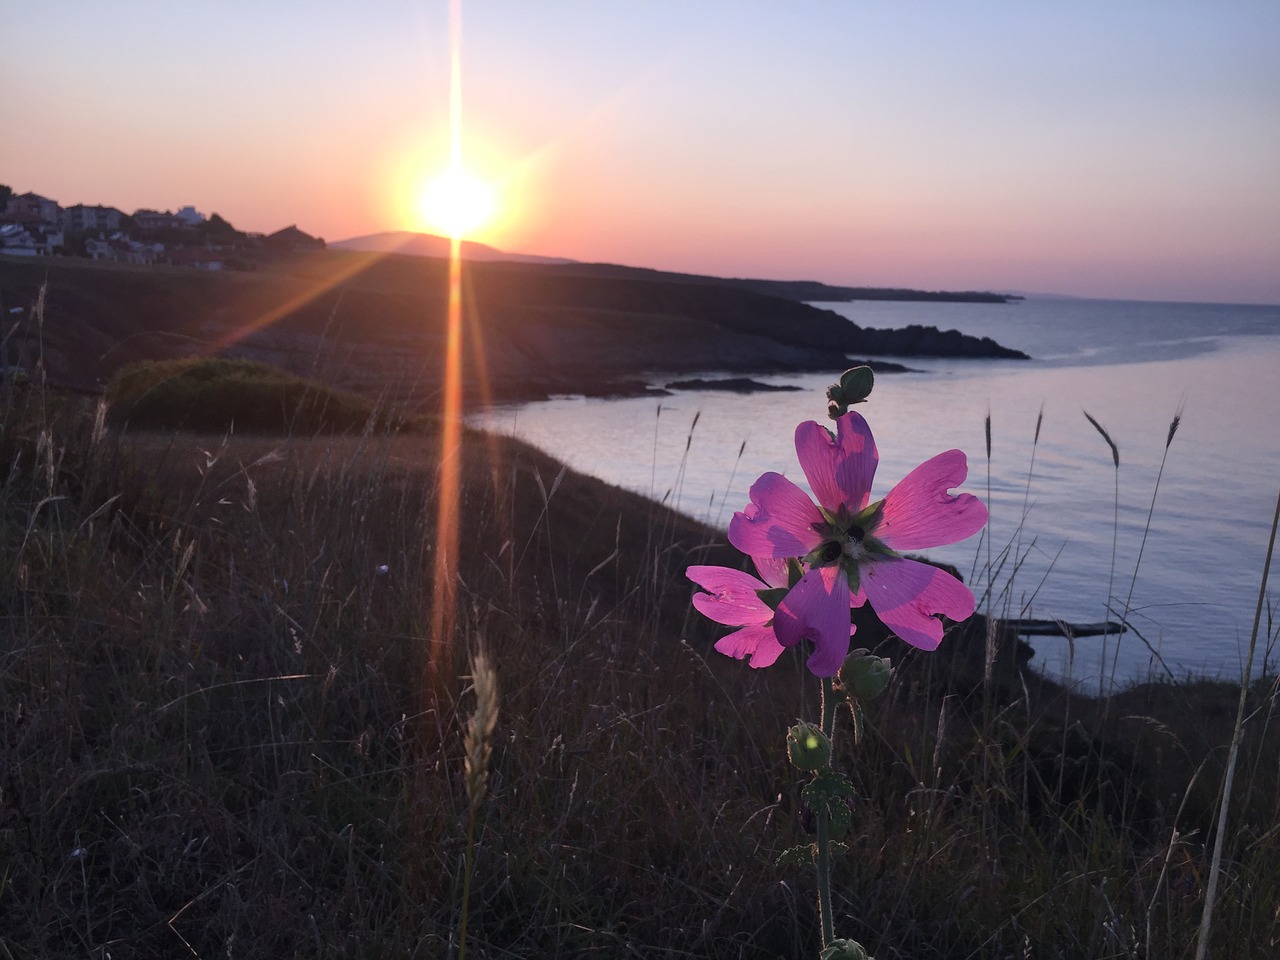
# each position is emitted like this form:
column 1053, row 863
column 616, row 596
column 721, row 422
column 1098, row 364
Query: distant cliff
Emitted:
column 428, row 245
column 378, row 324
column 804, row 290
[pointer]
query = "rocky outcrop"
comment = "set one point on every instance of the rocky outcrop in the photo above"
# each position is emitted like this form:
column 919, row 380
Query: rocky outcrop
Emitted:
column 731, row 385
column 920, row 341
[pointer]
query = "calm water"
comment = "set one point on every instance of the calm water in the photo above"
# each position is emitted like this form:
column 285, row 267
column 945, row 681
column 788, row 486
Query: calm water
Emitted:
column 1133, row 366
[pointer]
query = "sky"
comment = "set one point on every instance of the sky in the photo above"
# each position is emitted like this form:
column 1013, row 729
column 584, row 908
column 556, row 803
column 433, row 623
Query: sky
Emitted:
column 1087, row 148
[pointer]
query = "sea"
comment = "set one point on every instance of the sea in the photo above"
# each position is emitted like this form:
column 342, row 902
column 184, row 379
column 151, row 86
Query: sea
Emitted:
column 1173, row 541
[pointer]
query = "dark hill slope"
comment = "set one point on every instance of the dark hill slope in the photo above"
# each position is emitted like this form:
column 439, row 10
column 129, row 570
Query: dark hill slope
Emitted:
column 806, row 290
column 378, row 324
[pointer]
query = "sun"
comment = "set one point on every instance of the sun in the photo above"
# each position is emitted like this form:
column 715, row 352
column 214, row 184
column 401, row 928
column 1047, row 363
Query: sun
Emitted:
column 456, row 203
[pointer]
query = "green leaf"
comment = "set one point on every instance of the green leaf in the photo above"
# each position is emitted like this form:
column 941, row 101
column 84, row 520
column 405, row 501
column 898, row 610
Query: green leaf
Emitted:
column 827, row 785
column 798, row 856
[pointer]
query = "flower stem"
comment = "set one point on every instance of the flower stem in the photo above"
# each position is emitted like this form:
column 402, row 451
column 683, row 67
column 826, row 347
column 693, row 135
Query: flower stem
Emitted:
column 823, row 866
column 828, row 706
column 466, row 883
column 822, row 862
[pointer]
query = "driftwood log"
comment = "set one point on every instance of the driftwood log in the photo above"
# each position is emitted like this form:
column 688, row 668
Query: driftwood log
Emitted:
column 1061, row 628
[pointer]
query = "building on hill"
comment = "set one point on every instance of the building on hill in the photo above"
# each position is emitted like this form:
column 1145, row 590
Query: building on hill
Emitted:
column 32, row 208
column 191, row 216
column 120, row 249
column 151, row 221
column 29, row 240
column 293, row 240
column 16, row 241
column 86, row 219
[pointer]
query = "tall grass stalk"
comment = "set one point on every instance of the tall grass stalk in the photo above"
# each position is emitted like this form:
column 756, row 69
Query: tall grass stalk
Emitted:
column 1111, row 572
column 1224, row 802
column 1026, row 490
column 1146, row 529
column 479, row 747
column 728, row 487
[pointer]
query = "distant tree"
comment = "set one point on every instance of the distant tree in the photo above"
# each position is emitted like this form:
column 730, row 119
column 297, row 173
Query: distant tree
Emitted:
column 218, row 230
column 6, row 192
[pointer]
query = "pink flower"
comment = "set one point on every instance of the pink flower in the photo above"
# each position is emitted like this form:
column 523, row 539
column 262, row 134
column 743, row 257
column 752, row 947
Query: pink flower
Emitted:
column 851, row 549
column 738, row 599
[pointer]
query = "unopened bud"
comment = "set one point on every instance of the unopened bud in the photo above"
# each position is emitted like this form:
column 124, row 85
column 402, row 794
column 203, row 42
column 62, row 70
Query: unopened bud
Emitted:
column 808, row 747
column 864, row 676
column 854, row 387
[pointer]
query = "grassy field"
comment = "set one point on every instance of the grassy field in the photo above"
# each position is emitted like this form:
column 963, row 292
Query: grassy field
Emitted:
column 216, row 740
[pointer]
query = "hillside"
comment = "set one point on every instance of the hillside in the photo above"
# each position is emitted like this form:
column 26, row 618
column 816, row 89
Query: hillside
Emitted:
column 376, row 324
column 802, row 290
column 428, row 245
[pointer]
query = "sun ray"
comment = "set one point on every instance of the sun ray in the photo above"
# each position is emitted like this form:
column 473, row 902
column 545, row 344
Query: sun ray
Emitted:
column 352, row 263
column 441, row 639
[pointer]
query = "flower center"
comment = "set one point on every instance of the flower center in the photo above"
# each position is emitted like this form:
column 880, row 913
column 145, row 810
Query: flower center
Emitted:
column 830, row 552
column 852, row 547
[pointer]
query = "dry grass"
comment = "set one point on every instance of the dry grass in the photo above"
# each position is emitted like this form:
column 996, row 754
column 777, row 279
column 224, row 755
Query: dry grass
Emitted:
column 215, row 742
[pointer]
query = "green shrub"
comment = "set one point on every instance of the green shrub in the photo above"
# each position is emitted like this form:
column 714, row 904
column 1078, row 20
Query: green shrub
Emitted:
column 217, row 394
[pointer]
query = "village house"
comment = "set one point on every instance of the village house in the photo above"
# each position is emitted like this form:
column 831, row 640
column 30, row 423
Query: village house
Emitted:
column 86, row 219
column 16, row 241
column 191, row 216
column 153, row 220
column 120, row 249
column 31, row 208
column 29, row 239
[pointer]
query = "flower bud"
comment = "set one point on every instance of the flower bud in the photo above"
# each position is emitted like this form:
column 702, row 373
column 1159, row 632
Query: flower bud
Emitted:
column 844, row 950
column 854, row 387
column 808, row 747
column 864, row 676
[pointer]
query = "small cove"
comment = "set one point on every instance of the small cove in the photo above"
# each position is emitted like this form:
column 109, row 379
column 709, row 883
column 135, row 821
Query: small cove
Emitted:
column 1133, row 366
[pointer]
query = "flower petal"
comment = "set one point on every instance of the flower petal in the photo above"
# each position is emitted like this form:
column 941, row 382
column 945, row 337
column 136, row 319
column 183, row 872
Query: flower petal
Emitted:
column 778, row 522
column 817, row 609
column 757, row 642
column 773, row 570
column 907, row 596
column 732, row 598
column 840, row 471
column 859, row 598
column 919, row 512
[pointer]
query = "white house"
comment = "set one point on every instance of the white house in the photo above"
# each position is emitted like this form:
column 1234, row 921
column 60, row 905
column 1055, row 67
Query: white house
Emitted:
column 21, row 240
column 86, row 219
column 191, row 215
column 15, row 241
column 120, row 249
